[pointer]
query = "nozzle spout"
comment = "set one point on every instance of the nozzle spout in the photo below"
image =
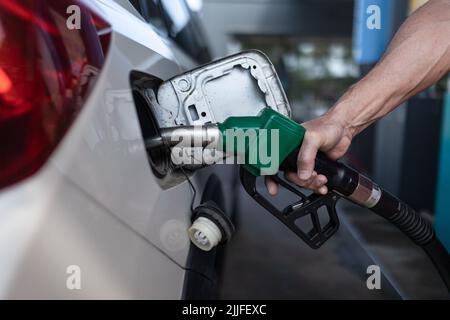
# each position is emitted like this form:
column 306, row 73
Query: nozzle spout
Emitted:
column 186, row 136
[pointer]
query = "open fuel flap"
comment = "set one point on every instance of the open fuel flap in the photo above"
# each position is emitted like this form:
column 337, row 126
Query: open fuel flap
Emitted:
column 239, row 85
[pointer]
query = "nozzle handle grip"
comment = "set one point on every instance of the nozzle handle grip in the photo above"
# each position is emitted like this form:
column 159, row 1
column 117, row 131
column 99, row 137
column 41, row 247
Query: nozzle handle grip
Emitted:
column 341, row 177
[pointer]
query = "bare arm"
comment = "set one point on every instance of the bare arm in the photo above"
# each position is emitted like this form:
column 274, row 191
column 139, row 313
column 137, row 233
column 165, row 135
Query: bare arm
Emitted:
column 418, row 56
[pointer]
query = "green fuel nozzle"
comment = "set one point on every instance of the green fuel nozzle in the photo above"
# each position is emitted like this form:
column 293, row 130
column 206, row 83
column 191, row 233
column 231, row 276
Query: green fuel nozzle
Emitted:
column 264, row 141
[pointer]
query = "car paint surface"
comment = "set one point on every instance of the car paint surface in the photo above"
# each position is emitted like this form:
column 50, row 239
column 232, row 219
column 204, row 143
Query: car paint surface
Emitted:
column 96, row 203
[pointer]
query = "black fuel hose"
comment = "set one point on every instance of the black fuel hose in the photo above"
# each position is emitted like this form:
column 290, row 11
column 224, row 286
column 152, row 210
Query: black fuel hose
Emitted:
column 361, row 190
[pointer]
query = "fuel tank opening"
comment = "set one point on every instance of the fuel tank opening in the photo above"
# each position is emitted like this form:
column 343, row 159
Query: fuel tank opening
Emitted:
column 144, row 87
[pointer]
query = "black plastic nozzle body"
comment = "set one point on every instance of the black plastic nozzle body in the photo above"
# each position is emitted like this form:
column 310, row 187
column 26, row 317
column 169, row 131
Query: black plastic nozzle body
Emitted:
column 341, row 178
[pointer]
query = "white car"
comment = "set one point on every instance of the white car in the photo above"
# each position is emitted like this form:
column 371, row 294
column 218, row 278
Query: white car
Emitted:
column 85, row 211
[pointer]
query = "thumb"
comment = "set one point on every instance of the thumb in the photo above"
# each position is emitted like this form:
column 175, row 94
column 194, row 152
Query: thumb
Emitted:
column 307, row 156
column 271, row 185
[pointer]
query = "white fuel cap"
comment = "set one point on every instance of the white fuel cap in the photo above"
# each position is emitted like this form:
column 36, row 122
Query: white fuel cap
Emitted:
column 204, row 233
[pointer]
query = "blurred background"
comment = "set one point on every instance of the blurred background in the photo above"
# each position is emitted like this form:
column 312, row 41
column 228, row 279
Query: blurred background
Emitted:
column 320, row 48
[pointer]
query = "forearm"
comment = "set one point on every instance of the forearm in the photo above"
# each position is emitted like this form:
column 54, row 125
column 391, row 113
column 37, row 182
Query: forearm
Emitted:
column 418, row 56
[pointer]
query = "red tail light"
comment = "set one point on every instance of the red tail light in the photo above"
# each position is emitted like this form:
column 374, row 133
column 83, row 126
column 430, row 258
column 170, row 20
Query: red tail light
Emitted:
column 46, row 72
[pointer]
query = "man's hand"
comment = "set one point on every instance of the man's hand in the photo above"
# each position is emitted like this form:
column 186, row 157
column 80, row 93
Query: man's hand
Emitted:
column 326, row 133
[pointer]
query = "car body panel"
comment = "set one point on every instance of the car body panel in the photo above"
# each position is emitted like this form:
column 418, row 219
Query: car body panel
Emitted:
column 54, row 225
column 104, row 153
column 96, row 203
